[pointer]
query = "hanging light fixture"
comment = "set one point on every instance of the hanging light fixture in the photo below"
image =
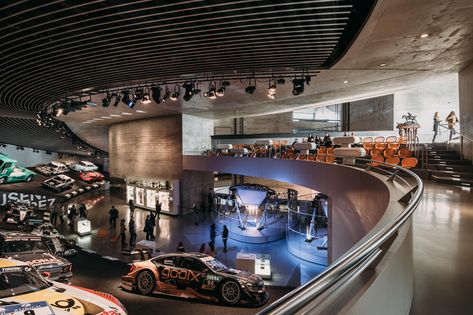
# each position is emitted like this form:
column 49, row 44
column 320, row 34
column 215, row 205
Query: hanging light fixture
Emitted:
column 221, row 90
column 156, row 94
column 175, row 96
column 250, row 89
column 298, row 86
column 189, row 91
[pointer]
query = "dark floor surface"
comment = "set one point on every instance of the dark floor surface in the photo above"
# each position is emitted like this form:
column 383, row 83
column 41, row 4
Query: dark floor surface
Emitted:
column 91, row 270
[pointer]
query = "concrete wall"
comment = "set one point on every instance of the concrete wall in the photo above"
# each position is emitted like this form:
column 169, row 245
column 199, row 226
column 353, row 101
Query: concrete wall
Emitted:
column 150, row 148
column 372, row 114
column 440, row 95
column 466, row 108
column 274, row 123
column 196, row 133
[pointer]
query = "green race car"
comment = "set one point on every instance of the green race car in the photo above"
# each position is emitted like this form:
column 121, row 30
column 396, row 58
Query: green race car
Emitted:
column 11, row 173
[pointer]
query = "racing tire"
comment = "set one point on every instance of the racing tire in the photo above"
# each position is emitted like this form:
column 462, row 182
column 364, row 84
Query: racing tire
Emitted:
column 229, row 292
column 145, row 282
column 3, row 180
column 29, row 178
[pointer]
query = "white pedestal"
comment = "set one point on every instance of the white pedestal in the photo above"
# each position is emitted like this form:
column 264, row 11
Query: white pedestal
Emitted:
column 82, row 227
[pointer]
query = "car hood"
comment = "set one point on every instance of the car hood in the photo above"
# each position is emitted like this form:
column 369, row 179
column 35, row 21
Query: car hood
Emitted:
column 243, row 275
column 67, row 299
column 39, row 259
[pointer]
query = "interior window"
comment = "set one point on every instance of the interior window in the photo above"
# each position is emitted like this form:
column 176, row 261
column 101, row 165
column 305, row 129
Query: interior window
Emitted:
column 167, row 261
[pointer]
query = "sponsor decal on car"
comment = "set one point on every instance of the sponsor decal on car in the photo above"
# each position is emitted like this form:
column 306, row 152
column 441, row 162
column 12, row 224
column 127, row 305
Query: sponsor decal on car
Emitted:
column 189, row 275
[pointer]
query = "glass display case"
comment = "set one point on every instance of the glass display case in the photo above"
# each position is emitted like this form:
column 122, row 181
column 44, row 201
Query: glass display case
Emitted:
column 146, row 191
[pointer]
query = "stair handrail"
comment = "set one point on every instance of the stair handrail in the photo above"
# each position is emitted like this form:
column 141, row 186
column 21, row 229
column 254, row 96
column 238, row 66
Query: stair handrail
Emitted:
column 462, row 137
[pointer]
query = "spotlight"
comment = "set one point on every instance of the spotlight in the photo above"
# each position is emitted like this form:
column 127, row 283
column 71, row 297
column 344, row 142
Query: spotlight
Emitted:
column 250, row 89
column 146, row 99
column 106, row 100
column 156, row 93
column 196, row 89
column 212, row 94
column 118, row 98
column 307, row 79
column 298, row 86
column 166, row 95
column 189, row 93
column 126, row 99
column 272, row 89
column 138, row 95
column 221, row 91
column 175, row 96
column 271, row 96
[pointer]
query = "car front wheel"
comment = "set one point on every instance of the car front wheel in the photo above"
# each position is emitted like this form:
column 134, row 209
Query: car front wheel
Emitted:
column 145, row 282
column 29, row 178
column 230, row 292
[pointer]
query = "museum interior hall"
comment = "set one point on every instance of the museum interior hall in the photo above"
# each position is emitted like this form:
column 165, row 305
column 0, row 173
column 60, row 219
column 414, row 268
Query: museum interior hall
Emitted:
column 266, row 157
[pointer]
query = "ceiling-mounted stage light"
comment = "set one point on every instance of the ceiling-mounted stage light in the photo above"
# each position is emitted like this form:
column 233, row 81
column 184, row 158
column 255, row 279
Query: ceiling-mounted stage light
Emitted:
column 138, row 94
column 156, row 94
column 298, row 86
column 220, row 92
column 175, row 95
column 126, row 97
column 118, row 98
column 106, row 100
column 196, row 90
column 146, row 99
column 250, row 89
column 189, row 91
column 272, row 88
column 307, row 79
column 167, row 94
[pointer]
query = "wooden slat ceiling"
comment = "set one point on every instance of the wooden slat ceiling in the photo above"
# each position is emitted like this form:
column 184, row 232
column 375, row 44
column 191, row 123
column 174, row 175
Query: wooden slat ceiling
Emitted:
column 53, row 47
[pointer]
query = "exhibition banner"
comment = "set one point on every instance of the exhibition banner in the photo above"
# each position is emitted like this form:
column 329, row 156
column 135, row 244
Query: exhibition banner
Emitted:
column 39, row 201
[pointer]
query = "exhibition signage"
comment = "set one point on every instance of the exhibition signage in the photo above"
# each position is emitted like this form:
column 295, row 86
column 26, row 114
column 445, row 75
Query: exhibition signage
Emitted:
column 39, row 201
column 33, row 308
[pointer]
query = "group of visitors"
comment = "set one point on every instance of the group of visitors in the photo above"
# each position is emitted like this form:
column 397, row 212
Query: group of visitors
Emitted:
column 210, row 248
column 326, row 141
column 451, row 120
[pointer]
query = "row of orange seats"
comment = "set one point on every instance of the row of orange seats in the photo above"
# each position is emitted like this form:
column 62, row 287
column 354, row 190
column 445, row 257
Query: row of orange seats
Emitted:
column 407, row 162
column 381, row 143
column 402, row 153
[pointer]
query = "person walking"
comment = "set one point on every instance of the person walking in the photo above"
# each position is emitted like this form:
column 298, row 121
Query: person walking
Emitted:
column 210, row 199
column 451, row 120
column 195, row 208
column 83, row 211
column 180, row 248
column 131, row 205
column 72, row 214
column 158, row 208
column 437, row 121
column 152, row 219
column 211, row 250
column 225, row 238
column 54, row 214
column 113, row 213
column 202, row 248
column 123, row 233
column 213, row 233
column 61, row 213
column 132, row 229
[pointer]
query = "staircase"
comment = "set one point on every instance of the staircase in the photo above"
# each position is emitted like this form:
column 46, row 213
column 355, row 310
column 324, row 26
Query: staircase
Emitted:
column 447, row 166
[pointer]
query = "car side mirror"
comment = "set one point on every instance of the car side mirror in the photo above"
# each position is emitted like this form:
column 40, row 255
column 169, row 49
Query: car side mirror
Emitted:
column 46, row 274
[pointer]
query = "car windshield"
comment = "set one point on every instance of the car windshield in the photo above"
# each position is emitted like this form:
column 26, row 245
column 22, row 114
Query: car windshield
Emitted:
column 214, row 264
column 20, row 280
column 57, row 180
column 19, row 246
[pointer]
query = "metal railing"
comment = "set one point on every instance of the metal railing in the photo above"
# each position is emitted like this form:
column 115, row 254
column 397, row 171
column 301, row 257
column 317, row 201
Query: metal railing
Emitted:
column 357, row 259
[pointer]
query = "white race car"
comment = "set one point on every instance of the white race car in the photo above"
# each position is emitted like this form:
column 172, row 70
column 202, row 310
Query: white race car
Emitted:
column 52, row 168
column 22, row 284
column 84, row 166
column 58, row 183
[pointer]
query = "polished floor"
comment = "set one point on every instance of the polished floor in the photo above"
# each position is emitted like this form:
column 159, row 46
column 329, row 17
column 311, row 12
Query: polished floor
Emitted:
column 443, row 252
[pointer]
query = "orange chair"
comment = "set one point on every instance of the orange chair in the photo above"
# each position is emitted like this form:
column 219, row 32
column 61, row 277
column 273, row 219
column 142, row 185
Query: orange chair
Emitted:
column 321, row 150
column 394, row 160
column 330, row 150
column 330, row 158
column 302, row 157
column 375, row 152
column 392, row 142
column 311, row 157
column 389, row 152
column 379, row 142
column 320, row 157
column 405, row 153
column 368, row 143
column 409, row 162
column 376, row 159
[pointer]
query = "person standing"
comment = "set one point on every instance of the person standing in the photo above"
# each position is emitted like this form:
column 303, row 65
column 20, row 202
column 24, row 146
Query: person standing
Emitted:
column 210, row 199
column 83, row 211
column 180, row 248
column 158, row 208
column 213, row 233
column 225, row 238
column 202, row 248
column 54, row 214
column 72, row 214
column 148, row 228
column 113, row 213
column 132, row 229
column 452, row 120
column 195, row 208
column 437, row 121
column 211, row 250
column 123, row 233
column 152, row 219
column 61, row 213
column 131, row 205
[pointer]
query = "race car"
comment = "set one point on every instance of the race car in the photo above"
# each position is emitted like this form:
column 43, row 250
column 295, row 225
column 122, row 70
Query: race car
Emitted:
column 84, row 166
column 91, row 177
column 195, row 275
column 30, row 249
column 57, row 244
column 52, row 168
column 12, row 173
column 22, row 284
column 58, row 183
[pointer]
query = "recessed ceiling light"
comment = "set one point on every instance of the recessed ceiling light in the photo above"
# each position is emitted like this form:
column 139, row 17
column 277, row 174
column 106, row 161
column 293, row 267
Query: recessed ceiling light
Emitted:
column 127, row 114
column 106, row 117
column 140, row 111
column 98, row 119
column 345, row 82
column 114, row 115
column 425, row 35
column 382, row 65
